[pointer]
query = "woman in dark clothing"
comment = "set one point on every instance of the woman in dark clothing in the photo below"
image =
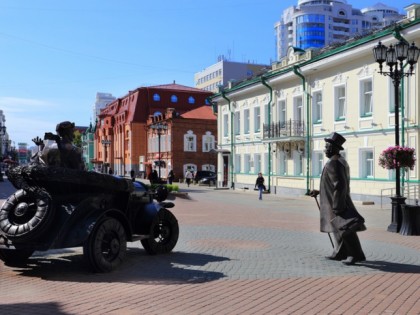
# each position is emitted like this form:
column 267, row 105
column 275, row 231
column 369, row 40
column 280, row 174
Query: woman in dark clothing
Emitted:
column 260, row 184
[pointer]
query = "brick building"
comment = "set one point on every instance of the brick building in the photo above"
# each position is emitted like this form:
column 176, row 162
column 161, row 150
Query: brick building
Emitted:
column 187, row 141
column 121, row 137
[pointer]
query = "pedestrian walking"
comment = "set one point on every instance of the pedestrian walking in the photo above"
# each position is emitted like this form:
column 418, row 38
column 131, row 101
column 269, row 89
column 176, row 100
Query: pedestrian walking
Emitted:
column 133, row 175
column 259, row 184
column 338, row 215
column 171, row 176
column 188, row 177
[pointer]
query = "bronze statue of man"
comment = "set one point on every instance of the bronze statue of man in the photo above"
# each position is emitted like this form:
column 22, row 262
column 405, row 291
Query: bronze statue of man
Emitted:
column 71, row 156
column 335, row 201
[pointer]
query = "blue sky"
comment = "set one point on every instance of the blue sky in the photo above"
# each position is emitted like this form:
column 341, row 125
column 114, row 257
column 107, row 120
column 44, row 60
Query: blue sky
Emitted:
column 56, row 55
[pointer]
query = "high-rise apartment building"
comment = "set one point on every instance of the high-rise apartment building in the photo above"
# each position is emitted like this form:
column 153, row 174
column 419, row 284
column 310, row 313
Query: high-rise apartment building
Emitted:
column 319, row 23
column 220, row 73
column 102, row 99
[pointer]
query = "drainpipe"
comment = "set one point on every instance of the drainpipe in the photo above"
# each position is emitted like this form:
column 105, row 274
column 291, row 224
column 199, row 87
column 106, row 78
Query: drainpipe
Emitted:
column 263, row 81
column 231, row 140
column 296, row 70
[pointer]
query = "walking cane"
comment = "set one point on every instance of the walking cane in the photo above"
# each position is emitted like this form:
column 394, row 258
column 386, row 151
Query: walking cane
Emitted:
column 319, row 208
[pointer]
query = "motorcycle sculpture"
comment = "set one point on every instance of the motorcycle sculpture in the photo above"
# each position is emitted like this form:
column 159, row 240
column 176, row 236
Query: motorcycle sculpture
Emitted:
column 60, row 206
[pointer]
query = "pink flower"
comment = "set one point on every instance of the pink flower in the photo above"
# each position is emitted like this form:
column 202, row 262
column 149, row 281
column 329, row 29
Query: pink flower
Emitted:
column 397, row 156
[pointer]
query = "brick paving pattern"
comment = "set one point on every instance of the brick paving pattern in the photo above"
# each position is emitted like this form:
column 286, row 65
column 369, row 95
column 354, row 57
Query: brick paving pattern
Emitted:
column 235, row 255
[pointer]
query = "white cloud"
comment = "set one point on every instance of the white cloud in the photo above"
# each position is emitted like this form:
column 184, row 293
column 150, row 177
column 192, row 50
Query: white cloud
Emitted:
column 20, row 105
column 27, row 118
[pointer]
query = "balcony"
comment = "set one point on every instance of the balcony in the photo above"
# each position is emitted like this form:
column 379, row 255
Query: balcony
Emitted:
column 284, row 130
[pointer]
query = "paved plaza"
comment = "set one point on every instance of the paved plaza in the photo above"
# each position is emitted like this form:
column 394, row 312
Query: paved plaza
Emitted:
column 235, row 255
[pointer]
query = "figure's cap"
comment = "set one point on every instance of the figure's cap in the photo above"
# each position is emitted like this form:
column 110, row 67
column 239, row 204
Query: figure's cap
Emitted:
column 336, row 139
column 63, row 126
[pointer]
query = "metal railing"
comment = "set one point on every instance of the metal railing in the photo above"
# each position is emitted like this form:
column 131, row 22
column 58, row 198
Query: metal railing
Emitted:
column 289, row 128
column 409, row 191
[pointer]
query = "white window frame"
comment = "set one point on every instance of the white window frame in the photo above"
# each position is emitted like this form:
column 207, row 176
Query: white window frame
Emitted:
column 317, row 107
column 237, row 123
column 190, row 142
column 257, row 163
column 281, row 113
column 366, row 98
column 298, row 163
column 247, row 163
column 246, row 121
column 257, row 119
column 208, row 141
column 237, row 163
column 298, row 108
column 282, row 163
column 225, row 125
column 367, row 163
column 340, row 103
column 317, row 163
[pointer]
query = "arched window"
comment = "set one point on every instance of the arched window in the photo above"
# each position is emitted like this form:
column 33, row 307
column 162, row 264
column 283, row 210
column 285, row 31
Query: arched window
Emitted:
column 190, row 142
column 191, row 100
column 157, row 113
column 208, row 142
column 156, row 97
column 174, row 99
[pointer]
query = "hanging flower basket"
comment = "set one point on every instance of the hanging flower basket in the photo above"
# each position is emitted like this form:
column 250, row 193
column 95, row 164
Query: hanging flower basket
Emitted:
column 397, row 156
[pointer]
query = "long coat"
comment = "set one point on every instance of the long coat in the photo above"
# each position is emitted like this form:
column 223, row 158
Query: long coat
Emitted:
column 334, row 193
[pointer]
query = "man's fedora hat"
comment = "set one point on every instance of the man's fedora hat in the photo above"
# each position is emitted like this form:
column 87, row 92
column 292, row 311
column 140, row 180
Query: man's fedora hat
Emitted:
column 336, row 139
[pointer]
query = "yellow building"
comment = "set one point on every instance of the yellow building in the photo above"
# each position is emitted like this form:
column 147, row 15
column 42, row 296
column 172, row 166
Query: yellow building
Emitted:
column 276, row 123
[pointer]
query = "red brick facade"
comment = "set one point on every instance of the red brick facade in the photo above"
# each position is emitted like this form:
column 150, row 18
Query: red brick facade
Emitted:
column 121, row 131
column 200, row 124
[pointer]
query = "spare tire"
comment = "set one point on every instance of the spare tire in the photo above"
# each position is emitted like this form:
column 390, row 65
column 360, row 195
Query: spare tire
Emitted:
column 26, row 215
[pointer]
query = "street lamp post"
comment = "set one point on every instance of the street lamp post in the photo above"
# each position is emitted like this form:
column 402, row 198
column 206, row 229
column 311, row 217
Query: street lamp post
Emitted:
column 394, row 56
column 159, row 127
column 106, row 143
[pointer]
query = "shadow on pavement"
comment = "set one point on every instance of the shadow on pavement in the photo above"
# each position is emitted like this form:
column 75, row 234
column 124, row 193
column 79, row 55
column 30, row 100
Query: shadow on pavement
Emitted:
column 31, row 308
column 387, row 266
column 137, row 267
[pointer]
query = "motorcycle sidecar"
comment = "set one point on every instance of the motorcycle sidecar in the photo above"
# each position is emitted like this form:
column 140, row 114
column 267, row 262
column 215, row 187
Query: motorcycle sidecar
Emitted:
column 56, row 207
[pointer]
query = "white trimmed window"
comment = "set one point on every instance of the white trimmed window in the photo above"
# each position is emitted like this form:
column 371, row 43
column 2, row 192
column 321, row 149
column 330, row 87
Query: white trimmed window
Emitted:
column 266, row 114
column 366, row 100
column 225, row 125
column 281, row 113
column 340, row 102
column 237, row 123
column 237, row 163
column 367, row 163
column 298, row 106
column 208, row 142
column 257, row 119
column 247, row 163
column 257, row 163
column 190, row 142
column 298, row 162
column 282, row 163
column 317, row 107
column 317, row 163
column 246, row 121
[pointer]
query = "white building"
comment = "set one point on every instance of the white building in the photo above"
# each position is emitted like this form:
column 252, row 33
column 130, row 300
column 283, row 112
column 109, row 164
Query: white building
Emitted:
column 319, row 23
column 276, row 123
column 102, row 99
column 220, row 73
